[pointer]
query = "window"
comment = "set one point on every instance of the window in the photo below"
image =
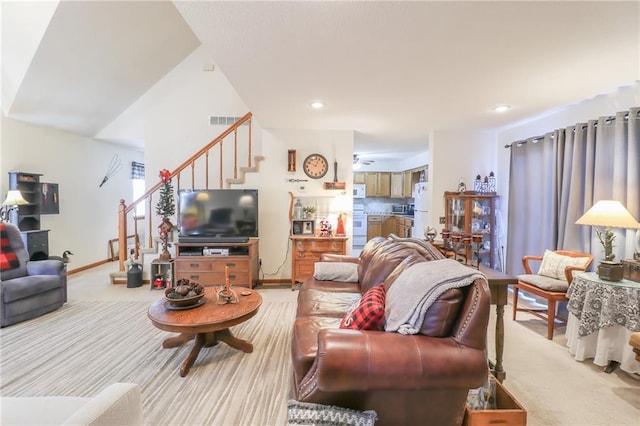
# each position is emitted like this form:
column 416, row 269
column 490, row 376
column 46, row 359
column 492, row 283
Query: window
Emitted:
column 138, row 186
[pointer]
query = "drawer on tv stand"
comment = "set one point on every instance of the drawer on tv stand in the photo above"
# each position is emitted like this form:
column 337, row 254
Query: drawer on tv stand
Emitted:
column 215, row 278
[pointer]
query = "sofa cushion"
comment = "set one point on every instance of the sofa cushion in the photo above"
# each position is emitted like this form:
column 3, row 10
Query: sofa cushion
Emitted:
column 553, row 264
column 19, row 288
column 368, row 313
column 336, row 271
column 383, row 262
column 318, row 302
column 545, row 283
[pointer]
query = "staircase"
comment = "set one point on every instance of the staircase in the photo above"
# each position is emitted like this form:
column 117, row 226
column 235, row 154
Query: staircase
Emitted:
column 211, row 163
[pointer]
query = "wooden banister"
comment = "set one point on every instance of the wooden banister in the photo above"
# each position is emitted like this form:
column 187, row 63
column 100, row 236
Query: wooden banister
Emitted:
column 124, row 210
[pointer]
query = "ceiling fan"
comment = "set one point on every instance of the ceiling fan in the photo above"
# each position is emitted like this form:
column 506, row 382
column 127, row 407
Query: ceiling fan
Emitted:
column 358, row 160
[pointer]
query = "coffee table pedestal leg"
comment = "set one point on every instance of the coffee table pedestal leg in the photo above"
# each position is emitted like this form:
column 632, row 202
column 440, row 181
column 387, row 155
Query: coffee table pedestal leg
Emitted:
column 205, row 340
column 228, row 338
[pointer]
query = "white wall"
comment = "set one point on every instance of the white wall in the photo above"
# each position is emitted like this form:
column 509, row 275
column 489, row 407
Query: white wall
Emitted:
column 172, row 120
column 88, row 214
column 274, row 198
column 455, row 157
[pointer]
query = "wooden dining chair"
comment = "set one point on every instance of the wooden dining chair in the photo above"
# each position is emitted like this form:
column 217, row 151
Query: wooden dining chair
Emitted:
column 551, row 282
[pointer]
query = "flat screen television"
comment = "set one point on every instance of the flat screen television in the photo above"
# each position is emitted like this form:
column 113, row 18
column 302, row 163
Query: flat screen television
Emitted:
column 219, row 215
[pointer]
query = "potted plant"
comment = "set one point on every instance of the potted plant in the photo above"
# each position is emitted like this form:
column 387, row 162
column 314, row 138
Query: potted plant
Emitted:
column 309, row 211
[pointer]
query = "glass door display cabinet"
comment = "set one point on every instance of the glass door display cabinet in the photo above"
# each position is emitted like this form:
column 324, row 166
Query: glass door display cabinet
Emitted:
column 470, row 228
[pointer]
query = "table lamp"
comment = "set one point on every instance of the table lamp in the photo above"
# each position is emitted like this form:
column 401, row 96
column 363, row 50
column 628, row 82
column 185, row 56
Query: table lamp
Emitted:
column 13, row 200
column 608, row 214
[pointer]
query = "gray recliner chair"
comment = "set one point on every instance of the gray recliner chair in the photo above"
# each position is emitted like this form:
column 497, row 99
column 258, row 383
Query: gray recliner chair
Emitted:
column 32, row 288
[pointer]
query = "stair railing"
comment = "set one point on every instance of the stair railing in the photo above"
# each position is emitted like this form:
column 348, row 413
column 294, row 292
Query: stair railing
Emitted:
column 126, row 213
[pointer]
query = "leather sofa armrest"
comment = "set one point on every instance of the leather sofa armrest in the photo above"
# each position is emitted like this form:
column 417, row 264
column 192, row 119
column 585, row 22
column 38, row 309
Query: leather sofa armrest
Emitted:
column 44, row 267
column 353, row 360
column 331, row 257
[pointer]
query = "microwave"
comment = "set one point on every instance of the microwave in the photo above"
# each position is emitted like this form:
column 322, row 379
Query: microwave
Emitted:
column 359, row 190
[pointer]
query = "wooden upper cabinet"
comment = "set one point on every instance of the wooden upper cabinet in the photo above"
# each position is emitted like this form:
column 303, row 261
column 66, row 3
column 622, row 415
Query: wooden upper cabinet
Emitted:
column 407, row 184
column 397, row 189
column 359, row 177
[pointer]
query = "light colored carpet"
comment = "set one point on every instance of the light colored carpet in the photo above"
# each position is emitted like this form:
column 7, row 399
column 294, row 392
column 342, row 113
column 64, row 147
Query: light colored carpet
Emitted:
column 86, row 345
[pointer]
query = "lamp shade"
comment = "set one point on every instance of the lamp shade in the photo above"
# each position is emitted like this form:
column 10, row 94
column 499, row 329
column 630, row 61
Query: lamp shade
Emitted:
column 608, row 213
column 14, row 198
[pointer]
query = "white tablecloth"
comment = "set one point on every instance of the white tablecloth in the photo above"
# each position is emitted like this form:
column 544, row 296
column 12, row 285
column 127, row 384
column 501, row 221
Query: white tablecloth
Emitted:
column 602, row 316
column 603, row 345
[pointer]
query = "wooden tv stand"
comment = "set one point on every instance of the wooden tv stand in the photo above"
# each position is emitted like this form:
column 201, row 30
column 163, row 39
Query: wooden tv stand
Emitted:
column 242, row 259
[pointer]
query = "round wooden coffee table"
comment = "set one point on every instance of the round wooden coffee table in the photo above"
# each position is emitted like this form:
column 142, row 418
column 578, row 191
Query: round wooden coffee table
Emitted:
column 208, row 324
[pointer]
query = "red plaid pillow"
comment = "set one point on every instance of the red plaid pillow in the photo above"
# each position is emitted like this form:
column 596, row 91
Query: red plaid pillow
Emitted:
column 368, row 314
column 8, row 258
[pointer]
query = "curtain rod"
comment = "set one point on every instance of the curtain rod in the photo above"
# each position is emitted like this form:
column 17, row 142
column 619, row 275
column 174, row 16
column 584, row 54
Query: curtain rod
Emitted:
column 607, row 120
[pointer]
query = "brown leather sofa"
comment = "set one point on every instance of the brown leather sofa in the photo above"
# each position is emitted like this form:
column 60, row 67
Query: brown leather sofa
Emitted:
column 407, row 379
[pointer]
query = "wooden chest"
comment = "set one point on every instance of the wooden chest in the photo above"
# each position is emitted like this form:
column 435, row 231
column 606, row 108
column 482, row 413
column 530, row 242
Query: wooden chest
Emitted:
column 306, row 252
column 509, row 411
column 631, row 270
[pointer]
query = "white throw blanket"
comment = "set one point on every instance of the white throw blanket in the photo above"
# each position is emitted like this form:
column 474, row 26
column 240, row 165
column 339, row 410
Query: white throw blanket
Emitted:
column 418, row 287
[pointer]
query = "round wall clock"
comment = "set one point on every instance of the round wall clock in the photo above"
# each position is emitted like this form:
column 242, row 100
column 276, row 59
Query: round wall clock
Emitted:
column 315, row 166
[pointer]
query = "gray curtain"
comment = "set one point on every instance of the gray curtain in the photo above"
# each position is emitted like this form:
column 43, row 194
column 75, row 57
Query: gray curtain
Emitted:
column 556, row 178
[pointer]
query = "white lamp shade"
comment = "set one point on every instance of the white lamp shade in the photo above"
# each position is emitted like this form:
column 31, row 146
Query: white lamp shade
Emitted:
column 608, row 213
column 14, row 198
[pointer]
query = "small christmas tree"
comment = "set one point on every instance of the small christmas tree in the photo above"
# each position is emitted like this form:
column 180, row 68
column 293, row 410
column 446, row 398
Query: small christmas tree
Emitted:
column 166, row 204
column 166, row 207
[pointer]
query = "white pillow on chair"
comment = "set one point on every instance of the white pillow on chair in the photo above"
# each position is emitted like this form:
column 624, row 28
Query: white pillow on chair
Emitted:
column 553, row 264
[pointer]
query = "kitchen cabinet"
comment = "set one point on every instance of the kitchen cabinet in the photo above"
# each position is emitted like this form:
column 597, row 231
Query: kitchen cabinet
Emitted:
column 407, row 184
column 388, row 226
column 360, row 177
column 378, row 184
column 397, row 189
column 374, row 226
column 469, row 214
column 402, row 226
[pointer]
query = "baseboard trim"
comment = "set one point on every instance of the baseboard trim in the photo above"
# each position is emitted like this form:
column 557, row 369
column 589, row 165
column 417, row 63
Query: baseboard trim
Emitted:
column 89, row 266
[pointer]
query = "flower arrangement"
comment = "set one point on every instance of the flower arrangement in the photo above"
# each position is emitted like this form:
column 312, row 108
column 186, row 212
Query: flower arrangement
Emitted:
column 308, row 211
column 165, row 207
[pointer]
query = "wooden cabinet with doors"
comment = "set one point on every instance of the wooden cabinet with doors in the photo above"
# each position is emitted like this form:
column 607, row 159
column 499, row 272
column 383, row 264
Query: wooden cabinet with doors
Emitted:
column 470, row 214
column 374, row 226
column 378, row 184
column 388, row 226
column 407, row 184
column 359, row 177
column 397, row 189
column 307, row 251
column 206, row 262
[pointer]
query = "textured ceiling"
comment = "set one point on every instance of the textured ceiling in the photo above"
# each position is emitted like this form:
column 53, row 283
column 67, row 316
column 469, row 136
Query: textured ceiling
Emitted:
column 391, row 71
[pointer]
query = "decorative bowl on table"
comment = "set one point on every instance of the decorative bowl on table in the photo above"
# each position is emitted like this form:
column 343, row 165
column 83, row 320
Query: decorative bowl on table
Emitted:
column 184, row 295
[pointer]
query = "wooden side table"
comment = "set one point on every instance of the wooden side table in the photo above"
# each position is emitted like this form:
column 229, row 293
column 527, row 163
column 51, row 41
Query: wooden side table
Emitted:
column 498, row 286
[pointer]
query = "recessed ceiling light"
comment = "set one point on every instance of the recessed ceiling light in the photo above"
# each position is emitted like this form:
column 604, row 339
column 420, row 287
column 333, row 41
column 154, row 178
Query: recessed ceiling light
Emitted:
column 317, row 104
column 501, row 108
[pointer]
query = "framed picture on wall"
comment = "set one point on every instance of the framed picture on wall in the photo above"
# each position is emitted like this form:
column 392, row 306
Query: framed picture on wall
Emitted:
column 49, row 198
